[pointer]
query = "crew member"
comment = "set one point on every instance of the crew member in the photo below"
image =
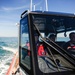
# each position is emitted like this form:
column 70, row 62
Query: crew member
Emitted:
column 70, row 45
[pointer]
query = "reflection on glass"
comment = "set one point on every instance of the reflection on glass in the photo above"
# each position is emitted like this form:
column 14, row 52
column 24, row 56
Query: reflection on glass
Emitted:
column 25, row 44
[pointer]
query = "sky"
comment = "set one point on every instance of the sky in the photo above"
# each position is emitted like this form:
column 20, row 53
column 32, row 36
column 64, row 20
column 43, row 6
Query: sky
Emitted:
column 10, row 11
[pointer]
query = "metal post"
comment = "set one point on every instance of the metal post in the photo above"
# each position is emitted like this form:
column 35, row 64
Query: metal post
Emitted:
column 31, row 5
column 46, row 5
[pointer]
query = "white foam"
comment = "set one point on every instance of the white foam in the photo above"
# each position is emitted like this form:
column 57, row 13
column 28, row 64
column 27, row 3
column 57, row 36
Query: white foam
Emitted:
column 14, row 50
column 3, row 66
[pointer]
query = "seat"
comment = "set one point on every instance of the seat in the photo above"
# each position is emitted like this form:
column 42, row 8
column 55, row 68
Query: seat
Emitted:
column 60, row 43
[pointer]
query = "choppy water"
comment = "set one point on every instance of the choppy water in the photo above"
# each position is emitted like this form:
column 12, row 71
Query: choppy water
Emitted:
column 8, row 46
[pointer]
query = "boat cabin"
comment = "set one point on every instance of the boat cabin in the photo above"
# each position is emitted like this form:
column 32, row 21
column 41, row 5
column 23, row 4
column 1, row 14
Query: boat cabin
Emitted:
column 39, row 55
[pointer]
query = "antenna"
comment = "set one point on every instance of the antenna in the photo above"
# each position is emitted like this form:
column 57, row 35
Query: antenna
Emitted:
column 31, row 5
column 34, row 7
column 46, row 5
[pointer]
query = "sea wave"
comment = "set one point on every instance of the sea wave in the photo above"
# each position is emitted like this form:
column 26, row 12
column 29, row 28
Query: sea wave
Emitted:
column 8, row 47
column 4, row 65
column 14, row 50
column 6, row 58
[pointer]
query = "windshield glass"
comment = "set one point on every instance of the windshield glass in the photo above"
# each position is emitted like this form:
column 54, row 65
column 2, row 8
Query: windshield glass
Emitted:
column 52, row 57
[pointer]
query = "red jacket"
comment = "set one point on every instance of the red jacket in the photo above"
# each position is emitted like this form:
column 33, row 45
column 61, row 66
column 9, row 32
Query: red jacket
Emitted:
column 41, row 51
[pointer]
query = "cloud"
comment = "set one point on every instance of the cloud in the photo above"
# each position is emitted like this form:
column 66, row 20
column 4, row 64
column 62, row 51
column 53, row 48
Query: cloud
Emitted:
column 20, row 7
column 14, row 8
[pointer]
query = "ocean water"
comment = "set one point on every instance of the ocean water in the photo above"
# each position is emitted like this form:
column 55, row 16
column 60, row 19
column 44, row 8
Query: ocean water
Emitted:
column 63, row 39
column 8, row 47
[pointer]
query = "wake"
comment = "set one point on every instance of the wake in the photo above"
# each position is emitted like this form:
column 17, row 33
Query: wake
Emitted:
column 3, row 66
column 14, row 50
column 8, row 59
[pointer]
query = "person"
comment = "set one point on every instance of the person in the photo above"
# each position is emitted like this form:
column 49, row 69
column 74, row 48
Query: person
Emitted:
column 39, row 46
column 70, row 45
column 52, row 37
column 28, row 47
column 41, row 50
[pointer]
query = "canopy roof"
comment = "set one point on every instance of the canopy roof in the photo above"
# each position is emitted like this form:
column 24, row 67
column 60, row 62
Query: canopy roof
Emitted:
column 53, row 21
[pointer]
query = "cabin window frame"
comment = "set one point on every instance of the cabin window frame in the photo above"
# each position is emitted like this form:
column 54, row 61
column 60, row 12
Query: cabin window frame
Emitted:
column 34, row 66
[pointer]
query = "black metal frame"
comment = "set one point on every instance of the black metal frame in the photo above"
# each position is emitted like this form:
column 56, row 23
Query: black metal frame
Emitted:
column 34, row 63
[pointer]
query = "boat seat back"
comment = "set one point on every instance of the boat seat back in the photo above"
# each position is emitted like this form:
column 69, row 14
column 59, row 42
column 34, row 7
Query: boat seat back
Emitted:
column 60, row 43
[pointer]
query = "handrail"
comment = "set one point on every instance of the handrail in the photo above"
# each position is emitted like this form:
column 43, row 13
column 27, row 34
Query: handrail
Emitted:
column 24, row 13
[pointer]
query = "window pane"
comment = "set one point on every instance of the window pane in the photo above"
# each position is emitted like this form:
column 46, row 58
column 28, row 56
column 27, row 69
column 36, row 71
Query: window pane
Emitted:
column 25, row 44
column 49, row 58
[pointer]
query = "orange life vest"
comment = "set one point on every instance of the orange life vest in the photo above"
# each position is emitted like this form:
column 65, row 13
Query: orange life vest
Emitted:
column 41, row 51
